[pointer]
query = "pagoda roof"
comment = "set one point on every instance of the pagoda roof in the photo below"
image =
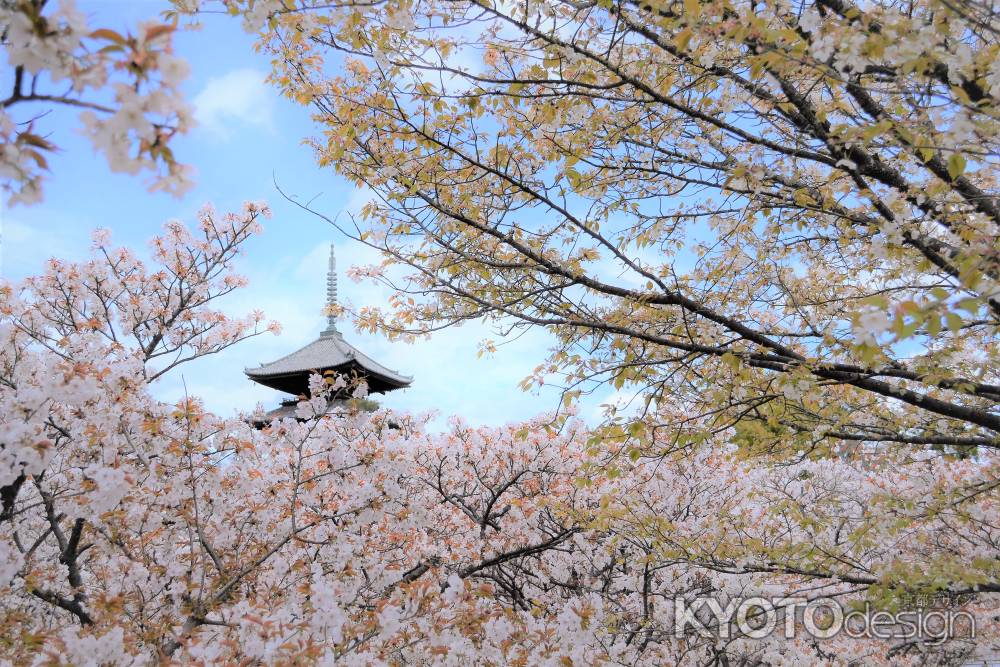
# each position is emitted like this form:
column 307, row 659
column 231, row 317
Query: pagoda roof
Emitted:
column 328, row 352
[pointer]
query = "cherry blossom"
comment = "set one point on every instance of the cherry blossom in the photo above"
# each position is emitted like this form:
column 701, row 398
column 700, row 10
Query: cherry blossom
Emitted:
column 49, row 48
column 139, row 532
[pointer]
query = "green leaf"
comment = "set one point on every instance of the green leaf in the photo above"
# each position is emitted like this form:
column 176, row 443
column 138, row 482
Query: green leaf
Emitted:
column 683, row 38
column 956, row 165
column 970, row 305
column 574, row 177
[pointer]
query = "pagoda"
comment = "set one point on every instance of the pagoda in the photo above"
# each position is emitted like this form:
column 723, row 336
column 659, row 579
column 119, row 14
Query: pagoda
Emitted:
column 329, row 352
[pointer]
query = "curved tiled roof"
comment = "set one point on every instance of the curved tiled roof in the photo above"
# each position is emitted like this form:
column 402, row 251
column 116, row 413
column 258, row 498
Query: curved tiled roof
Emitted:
column 329, row 351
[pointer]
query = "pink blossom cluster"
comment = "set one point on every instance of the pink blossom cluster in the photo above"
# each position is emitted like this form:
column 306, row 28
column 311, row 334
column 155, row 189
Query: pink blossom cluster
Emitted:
column 127, row 87
column 139, row 532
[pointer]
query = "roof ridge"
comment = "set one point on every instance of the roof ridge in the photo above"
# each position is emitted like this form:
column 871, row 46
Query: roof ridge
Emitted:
column 336, row 351
column 290, row 354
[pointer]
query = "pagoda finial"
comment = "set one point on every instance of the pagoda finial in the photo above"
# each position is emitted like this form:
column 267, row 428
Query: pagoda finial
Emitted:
column 331, row 296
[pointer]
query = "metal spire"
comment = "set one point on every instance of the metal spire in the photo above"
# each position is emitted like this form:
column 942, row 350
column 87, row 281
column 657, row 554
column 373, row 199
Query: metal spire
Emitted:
column 331, row 296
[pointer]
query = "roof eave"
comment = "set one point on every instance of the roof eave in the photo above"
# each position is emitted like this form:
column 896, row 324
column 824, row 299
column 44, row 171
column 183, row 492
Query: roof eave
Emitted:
column 294, row 382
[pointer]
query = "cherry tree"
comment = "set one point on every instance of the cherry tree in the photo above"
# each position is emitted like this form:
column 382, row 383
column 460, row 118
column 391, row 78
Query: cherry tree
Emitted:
column 126, row 86
column 820, row 371
column 138, row 532
column 774, row 223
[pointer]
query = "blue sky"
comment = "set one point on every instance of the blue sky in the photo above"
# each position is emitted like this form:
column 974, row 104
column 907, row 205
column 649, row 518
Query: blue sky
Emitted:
column 248, row 137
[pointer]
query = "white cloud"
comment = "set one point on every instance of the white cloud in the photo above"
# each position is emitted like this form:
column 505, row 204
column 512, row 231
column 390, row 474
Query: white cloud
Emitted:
column 16, row 231
column 14, row 237
column 358, row 199
column 240, row 97
column 27, row 243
